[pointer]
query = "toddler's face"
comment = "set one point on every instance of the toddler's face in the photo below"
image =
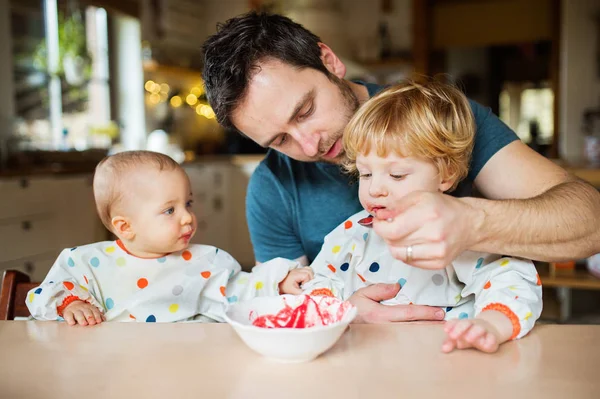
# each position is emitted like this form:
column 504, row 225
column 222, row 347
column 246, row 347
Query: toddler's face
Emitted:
column 161, row 215
column 383, row 181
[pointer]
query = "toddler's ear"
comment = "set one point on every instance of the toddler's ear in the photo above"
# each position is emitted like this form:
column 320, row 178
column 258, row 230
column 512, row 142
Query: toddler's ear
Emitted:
column 446, row 182
column 445, row 185
column 122, row 227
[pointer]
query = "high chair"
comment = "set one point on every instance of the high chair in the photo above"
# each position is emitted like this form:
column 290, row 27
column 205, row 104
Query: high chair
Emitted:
column 13, row 293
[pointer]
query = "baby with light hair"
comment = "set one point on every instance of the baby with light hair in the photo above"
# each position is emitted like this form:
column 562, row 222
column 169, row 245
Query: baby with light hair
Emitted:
column 409, row 140
column 151, row 273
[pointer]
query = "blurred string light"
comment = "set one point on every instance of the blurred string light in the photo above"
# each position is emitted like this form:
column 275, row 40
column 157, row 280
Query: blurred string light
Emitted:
column 159, row 92
column 152, row 87
column 176, row 101
column 191, row 99
column 205, row 111
column 154, row 98
column 149, row 86
column 197, row 91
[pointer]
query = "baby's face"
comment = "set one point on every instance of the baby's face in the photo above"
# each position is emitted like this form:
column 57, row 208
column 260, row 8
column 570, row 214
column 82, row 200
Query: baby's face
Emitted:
column 159, row 206
column 383, row 181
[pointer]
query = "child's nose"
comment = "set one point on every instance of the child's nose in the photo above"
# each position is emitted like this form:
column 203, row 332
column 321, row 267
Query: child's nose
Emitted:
column 186, row 218
column 377, row 189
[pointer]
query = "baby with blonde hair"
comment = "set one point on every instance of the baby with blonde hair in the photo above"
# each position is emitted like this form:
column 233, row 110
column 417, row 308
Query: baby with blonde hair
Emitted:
column 419, row 137
column 151, row 273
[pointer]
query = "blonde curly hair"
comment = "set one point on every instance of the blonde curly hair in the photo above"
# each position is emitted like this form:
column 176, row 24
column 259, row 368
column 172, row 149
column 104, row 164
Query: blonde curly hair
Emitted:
column 429, row 120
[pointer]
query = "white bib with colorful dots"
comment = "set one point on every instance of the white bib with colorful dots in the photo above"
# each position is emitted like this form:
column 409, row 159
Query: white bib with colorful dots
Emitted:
column 199, row 281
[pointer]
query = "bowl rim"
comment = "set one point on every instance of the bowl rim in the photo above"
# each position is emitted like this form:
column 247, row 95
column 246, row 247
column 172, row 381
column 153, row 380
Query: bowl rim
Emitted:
column 347, row 319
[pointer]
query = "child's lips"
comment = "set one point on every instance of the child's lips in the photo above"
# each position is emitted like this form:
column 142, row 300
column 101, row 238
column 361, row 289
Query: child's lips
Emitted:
column 187, row 236
column 374, row 209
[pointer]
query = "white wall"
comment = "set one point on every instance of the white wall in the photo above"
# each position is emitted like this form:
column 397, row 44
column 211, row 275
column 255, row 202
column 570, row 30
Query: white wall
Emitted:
column 579, row 80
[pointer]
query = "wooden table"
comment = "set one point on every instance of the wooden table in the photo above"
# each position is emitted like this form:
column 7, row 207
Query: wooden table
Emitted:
column 52, row 360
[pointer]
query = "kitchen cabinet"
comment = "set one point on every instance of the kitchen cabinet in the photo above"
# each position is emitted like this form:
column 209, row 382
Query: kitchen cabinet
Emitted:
column 40, row 216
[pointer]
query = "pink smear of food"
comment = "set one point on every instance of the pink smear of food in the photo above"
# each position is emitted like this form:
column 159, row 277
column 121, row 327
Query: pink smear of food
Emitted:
column 313, row 311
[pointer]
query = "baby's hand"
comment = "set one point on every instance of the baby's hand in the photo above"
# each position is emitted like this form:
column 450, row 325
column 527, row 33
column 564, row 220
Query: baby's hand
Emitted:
column 471, row 333
column 82, row 313
column 295, row 278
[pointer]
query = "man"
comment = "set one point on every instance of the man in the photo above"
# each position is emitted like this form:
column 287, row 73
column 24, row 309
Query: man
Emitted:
column 278, row 84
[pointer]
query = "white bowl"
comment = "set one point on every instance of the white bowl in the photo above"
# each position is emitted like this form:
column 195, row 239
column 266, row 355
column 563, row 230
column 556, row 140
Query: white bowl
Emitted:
column 290, row 345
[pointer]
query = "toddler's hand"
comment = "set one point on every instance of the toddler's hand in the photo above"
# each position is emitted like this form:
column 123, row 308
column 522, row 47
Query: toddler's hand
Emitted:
column 295, row 278
column 82, row 313
column 471, row 333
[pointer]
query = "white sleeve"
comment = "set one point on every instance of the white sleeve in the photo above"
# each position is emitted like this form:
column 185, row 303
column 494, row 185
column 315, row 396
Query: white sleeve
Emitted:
column 228, row 284
column 262, row 281
column 509, row 285
column 326, row 281
column 334, row 266
column 62, row 285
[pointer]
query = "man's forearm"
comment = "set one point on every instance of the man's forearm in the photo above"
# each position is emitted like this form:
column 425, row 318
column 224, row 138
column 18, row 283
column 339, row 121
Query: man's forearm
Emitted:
column 563, row 223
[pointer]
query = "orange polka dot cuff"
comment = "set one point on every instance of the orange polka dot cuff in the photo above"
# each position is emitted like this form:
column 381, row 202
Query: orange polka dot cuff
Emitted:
column 321, row 292
column 66, row 302
column 514, row 319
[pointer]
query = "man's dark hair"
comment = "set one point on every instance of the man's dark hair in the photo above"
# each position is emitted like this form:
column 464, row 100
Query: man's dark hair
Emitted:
column 231, row 56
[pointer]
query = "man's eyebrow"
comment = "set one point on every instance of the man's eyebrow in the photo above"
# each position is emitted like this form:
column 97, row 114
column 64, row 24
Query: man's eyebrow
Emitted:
column 305, row 99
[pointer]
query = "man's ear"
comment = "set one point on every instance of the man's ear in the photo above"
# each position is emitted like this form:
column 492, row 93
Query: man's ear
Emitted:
column 332, row 62
column 122, row 227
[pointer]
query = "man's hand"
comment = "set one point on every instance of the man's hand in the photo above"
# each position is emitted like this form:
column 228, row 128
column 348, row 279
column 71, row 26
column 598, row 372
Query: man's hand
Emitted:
column 294, row 280
column 82, row 313
column 371, row 311
column 436, row 227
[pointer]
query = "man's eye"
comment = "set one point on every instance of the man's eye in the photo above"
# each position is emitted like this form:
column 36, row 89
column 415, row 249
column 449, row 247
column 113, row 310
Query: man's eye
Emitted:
column 282, row 140
column 169, row 211
column 307, row 113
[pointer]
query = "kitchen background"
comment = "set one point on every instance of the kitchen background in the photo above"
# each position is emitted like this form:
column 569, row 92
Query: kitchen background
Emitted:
column 81, row 78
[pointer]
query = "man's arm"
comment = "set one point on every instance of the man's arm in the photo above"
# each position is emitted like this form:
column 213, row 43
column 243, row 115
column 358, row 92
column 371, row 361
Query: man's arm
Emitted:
column 535, row 209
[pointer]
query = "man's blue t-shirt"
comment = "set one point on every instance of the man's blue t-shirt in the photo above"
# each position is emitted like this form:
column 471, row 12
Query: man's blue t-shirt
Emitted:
column 291, row 205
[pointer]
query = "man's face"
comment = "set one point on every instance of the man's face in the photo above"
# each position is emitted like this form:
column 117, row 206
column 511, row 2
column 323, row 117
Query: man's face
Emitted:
column 298, row 112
